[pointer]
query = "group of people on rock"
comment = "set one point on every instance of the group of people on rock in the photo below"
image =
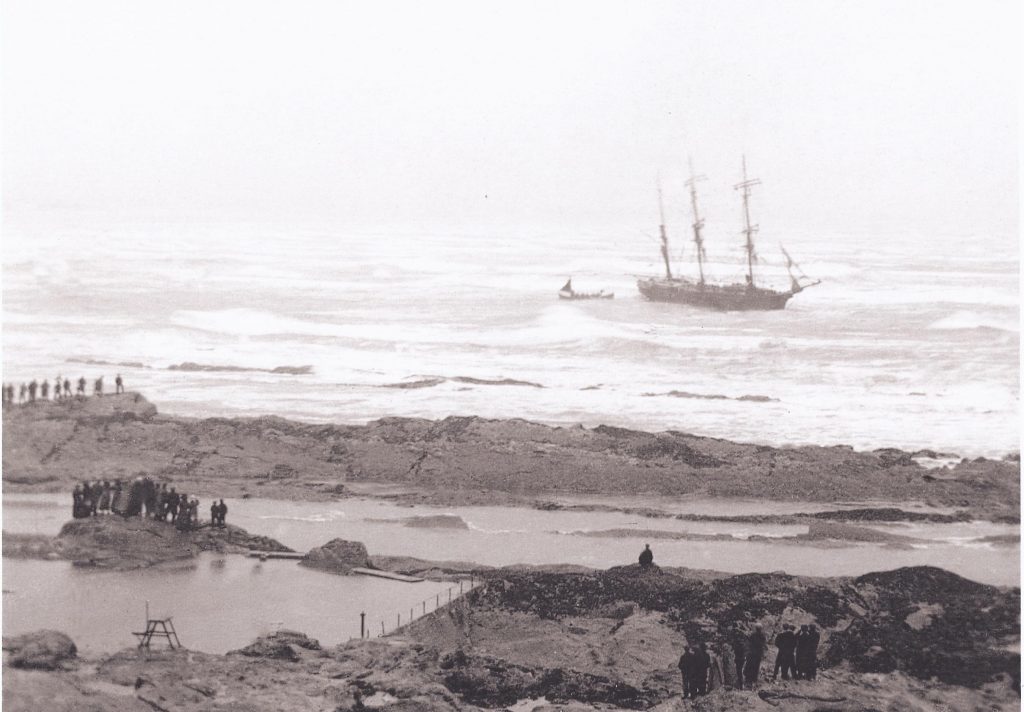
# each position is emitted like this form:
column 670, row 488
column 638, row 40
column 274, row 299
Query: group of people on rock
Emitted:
column 705, row 668
column 28, row 392
column 798, row 652
column 163, row 503
column 737, row 664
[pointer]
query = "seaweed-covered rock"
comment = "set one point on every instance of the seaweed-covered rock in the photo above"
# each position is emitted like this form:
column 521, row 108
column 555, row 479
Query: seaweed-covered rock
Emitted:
column 282, row 645
column 41, row 650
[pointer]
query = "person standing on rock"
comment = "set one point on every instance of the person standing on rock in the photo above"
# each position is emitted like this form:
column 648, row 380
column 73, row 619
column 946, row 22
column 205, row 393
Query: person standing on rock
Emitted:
column 118, row 384
column 22, row 393
column 67, row 388
column 807, row 653
column 784, row 660
column 701, row 669
column 81, row 386
column 686, row 669
column 716, row 670
column 56, row 388
column 32, row 387
column 97, row 387
column 646, row 556
column 44, row 390
column 105, row 496
column 756, row 642
column 223, row 514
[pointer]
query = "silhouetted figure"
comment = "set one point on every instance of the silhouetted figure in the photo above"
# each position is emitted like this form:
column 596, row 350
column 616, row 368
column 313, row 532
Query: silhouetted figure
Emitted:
column 800, row 646
column 807, row 653
column 105, row 498
column 76, row 502
column 97, row 387
column 223, row 513
column 81, row 386
column 716, row 671
column 754, row 652
column 44, row 390
column 56, row 388
column 739, row 651
column 118, row 384
column 701, row 666
column 214, row 513
column 785, row 659
column 172, row 505
column 646, row 556
column 22, row 393
column 686, row 669
column 118, row 500
column 67, row 388
column 32, row 387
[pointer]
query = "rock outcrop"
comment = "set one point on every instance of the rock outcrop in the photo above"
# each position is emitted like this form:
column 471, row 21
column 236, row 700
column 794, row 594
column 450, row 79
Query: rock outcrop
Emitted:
column 50, row 445
column 40, row 650
column 282, row 645
column 338, row 556
column 137, row 542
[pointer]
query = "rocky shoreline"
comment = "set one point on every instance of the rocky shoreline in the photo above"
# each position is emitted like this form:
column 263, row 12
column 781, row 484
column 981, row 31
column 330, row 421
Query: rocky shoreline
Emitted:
column 915, row 638
column 47, row 446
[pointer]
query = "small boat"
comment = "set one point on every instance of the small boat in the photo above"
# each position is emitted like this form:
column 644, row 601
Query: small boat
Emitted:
column 567, row 292
column 743, row 296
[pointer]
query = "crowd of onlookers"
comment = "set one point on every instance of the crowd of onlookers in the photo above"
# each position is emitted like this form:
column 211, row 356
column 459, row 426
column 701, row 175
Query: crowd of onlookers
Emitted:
column 61, row 388
column 737, row 664
column 142, row 497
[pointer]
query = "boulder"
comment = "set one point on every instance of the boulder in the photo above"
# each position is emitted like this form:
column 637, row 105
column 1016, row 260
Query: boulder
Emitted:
column 282, row 645
column 41, row 650
column 338, row 556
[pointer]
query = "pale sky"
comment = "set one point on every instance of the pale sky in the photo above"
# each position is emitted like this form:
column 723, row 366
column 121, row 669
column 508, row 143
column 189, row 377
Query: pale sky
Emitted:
column 858, row 116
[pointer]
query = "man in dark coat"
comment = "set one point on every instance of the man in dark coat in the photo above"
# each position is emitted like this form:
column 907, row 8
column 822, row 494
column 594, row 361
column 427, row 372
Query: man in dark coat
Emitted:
column 223, row 513
column 807, row 653
column 785, row 641
column 701, row 666
column 756, row 642
column 686, row 668
column 646, row 556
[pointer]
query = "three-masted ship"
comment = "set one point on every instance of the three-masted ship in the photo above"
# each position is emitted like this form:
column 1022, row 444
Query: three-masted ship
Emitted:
column 746, row 296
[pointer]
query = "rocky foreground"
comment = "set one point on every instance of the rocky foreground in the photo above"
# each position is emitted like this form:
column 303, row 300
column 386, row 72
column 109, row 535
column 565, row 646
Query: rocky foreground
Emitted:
column 47, row 446
column 916, row 638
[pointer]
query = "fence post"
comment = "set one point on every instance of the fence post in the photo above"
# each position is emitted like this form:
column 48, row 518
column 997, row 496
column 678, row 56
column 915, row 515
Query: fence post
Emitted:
column 362, row 625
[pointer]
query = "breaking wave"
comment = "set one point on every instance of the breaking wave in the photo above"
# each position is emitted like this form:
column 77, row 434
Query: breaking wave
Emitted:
column 431, row 381
column 715, row 396
column 203, row 367
column 973, row 320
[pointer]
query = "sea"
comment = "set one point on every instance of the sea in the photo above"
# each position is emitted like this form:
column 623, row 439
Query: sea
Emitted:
column 910, row 340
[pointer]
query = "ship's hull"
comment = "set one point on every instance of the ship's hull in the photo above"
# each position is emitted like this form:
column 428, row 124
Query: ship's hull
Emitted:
column 732, row 297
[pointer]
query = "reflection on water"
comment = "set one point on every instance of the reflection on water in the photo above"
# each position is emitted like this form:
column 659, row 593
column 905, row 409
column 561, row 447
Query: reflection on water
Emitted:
column 218, row 603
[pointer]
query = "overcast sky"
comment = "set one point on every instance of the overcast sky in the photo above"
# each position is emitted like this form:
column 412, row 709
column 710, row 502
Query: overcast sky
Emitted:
column 856, row 115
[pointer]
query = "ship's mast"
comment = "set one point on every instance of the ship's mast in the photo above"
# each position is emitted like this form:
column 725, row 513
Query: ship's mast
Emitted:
column 698, row 224
column 749, row 230
column 664, row 234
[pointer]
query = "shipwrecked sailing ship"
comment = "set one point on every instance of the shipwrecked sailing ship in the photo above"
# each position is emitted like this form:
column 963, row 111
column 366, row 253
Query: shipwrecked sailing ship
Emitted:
column 746, row 296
